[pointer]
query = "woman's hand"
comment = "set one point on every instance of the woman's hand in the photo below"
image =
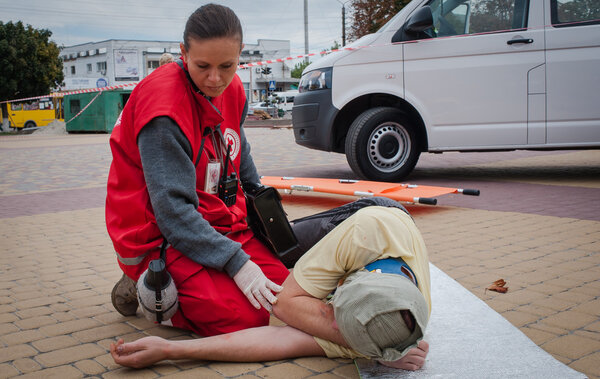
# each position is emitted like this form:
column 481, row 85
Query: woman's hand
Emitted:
column 413, row 360
column 256, row 286
column 141, row 353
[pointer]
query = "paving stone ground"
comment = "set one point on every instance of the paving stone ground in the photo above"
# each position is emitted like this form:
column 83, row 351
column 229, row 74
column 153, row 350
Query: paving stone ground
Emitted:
column 536, row 224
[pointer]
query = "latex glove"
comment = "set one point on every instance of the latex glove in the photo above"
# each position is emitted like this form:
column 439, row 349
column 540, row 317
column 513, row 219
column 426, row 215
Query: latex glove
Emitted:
column 255, row 285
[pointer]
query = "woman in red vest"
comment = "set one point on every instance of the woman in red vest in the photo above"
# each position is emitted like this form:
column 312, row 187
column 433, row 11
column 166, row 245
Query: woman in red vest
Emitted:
column 170, row 146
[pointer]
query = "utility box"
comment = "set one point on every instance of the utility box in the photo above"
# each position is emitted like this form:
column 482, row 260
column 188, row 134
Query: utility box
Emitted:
column 99, row 116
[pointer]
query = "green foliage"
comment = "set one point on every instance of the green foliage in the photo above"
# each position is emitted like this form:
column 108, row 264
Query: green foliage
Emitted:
column 298, row 68
column 29, row 61
column 371, row 15
column 578, row 10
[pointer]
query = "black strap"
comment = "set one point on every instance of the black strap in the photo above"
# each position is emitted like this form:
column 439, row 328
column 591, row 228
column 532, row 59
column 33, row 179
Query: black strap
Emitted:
column 163, row 250
column 187, row 74
column 157, row 291
column 207, row 131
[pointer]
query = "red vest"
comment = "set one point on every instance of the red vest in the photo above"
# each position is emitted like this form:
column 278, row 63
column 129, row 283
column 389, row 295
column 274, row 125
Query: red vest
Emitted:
column 129, row 215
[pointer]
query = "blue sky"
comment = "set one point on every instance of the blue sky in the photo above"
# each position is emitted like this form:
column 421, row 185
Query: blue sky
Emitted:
column 74, row 22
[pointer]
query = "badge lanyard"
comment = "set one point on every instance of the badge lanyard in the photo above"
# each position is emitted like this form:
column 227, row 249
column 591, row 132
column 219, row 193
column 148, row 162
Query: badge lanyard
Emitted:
column 227, row 184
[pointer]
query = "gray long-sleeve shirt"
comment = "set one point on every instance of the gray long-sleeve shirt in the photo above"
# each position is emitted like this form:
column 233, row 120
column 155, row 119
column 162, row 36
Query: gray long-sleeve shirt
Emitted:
column 170, row 175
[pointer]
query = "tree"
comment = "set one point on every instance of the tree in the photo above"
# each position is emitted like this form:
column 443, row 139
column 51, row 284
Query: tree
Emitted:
column 30, row 63
column 298, row 68
column 371, row 15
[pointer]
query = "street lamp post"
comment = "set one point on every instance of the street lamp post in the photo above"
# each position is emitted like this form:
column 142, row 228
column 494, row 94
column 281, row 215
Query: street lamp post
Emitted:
column 343, row 21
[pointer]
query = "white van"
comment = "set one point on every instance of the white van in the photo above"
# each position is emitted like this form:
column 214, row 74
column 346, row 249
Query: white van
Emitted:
column 285, row 100
column 457, row 75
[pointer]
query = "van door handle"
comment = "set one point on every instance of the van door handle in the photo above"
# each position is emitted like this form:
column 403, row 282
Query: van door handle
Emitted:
column 519, row 40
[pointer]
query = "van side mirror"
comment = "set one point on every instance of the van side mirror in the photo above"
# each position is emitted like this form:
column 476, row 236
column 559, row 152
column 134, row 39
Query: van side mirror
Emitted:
column 414, row 27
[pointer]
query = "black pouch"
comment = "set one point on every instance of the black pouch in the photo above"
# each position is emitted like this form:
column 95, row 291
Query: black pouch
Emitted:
column 269, row 222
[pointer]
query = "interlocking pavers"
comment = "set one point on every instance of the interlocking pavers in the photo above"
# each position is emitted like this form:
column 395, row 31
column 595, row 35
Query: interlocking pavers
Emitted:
column 536, row 224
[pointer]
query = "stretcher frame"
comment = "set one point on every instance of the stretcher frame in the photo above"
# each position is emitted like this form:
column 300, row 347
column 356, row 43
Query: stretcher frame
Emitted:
column 403, row 192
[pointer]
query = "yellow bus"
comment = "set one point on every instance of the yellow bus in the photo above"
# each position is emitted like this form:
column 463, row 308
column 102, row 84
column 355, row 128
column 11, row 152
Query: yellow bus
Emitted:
column 35, row 113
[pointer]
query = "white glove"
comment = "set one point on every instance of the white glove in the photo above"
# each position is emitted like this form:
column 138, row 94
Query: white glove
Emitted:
column 255, row 285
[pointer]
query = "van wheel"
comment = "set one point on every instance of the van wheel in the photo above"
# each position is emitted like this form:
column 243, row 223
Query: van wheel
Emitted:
column 29, row 124
column 382, row 145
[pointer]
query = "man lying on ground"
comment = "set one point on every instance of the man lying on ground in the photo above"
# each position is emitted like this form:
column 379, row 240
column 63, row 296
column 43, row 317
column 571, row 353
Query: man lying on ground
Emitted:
column 361, row 291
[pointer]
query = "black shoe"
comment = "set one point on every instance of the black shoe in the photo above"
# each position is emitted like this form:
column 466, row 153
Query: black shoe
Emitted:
column 124, row 296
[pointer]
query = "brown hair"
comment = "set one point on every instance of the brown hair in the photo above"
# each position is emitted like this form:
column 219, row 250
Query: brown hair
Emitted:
column 212, row 21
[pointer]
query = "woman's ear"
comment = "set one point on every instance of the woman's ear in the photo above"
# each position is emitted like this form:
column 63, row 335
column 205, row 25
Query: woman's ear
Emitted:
column 183, row 51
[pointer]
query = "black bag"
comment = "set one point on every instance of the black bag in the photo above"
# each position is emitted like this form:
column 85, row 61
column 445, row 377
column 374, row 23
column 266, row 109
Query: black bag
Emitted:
column 269, row 222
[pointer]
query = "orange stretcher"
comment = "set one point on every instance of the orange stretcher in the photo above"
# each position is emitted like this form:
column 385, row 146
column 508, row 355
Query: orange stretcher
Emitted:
column 411, row 193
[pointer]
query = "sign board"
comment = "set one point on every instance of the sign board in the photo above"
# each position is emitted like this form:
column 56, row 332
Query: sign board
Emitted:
column 101, row 83
column 271, row 85
column 126, row 64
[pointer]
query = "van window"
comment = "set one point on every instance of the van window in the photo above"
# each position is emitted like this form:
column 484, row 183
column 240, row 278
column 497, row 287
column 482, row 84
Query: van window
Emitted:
column 457, row 17
column 574, row 12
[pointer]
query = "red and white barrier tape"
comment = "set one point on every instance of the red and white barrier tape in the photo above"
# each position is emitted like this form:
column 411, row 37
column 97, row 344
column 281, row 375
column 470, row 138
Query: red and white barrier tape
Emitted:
column 279, row 60
column 61, row 94
column 84, row 108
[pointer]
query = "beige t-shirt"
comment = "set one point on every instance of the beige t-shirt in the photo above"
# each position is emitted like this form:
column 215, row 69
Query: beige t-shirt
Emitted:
column 370, row 234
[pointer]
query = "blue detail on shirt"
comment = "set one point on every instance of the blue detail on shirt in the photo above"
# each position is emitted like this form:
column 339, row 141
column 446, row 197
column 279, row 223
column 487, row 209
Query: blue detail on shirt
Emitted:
column 392, row 266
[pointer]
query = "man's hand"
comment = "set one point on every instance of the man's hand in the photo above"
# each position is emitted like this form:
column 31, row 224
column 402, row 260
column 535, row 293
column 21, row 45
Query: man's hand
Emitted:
column 413, row 360
column 141, row 353
column 255, row 285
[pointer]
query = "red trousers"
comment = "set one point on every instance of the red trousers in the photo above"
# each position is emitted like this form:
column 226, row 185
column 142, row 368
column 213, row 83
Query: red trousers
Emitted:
column 210, row 302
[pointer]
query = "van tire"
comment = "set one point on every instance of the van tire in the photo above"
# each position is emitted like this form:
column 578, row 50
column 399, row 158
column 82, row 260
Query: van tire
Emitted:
column 29, row 124
column 382, row 145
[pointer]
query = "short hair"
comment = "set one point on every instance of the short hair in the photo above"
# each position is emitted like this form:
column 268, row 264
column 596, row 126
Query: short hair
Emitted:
column 212, row 21
column 166, row 58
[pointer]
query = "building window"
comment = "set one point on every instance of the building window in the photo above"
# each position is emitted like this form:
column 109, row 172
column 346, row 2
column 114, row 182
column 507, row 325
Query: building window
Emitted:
column 89, row 68
column 72, row 70
column 101, row 67
column 153, row 65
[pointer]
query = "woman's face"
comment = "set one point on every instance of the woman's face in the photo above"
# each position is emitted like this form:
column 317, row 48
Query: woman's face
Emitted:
column 212, row 63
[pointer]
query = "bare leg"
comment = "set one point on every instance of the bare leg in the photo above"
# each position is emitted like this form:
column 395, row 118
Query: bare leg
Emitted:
column 260, row 344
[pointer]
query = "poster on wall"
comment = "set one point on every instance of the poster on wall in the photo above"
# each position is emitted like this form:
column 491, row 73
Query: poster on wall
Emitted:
column 126, row 65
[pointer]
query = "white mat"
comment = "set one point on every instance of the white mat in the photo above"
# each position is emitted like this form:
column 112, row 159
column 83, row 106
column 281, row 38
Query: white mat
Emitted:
column 468, row 339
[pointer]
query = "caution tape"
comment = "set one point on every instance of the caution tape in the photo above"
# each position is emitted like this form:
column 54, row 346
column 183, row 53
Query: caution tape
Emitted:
column 86, row 107
column 61, row 94
column 325, row 52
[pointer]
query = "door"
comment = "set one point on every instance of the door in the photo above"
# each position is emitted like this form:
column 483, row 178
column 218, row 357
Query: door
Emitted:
column 470, row 81
column 573, row 73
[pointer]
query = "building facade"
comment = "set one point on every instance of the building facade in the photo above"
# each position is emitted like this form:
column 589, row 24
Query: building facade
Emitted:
column 275, row 77
column 113, row 62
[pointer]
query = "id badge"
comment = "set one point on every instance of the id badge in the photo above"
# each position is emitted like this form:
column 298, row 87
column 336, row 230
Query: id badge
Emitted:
column 213, row 172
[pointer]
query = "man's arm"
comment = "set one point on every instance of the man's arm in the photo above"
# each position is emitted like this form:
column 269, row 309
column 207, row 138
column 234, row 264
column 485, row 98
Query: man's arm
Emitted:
column 267, row 343
column 299, row 309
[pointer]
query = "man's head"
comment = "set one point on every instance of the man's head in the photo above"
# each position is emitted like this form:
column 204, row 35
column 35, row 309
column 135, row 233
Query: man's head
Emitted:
column 370, row 311
column 166, row 58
